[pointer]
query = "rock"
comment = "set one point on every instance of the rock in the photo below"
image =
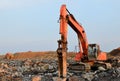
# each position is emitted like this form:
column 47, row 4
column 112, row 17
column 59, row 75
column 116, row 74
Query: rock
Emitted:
column 101, row 69
column 88, row 76
column 47, row 78
column 36, row 78
column 45, row 67
column 108, row 75
column 73, row 78
column 70, row 74
column 27, row 62
column 2, row 70
column 56, row 79
column 45, row 61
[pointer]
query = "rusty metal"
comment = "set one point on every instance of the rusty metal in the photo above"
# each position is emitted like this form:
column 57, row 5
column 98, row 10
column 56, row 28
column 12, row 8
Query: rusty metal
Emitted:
column 62, row 58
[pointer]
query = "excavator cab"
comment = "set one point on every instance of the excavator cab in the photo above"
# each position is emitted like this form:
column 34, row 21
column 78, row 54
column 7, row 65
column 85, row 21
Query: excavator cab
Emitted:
column 93, row 51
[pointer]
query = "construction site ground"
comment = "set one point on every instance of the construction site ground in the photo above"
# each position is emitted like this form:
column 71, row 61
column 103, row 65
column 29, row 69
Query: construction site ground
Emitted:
column 43, row 66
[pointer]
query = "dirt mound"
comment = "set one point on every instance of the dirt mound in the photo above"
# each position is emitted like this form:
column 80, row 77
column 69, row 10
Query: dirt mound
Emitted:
column 40, row 55
column 9, row 56
column 34, row 55
column 115, row 52
column 25, row 55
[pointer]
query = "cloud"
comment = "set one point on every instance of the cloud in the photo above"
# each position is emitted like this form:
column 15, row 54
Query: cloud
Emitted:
column 10, row 4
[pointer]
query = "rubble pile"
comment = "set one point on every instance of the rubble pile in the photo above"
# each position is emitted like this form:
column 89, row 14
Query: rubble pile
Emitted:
column 108, row 75
column 115, row 52
column 45, row 68
column 26, row 70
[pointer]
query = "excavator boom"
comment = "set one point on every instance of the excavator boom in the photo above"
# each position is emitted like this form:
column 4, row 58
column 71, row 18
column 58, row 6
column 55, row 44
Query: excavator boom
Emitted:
column 82, row 39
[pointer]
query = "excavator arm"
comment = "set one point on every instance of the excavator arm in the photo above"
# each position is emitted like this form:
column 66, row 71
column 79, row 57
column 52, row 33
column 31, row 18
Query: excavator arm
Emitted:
column 82, row 39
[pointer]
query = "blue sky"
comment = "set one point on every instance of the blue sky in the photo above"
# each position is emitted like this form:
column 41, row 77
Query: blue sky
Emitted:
column 32, row 24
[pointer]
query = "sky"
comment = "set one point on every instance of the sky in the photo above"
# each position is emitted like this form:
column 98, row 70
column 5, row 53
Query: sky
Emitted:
column 32, row 25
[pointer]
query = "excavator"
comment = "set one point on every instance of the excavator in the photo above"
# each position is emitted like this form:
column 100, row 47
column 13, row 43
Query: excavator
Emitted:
column 88, row 55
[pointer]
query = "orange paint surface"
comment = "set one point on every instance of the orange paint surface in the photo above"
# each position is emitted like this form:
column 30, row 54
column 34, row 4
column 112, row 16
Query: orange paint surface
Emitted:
column 102, row 56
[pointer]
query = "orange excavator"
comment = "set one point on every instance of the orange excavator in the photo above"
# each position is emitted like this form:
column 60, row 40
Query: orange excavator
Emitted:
column 88, row 53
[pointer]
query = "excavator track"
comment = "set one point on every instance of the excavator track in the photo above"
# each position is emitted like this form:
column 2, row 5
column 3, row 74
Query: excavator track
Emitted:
column 101, row 64
column 79, row 67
